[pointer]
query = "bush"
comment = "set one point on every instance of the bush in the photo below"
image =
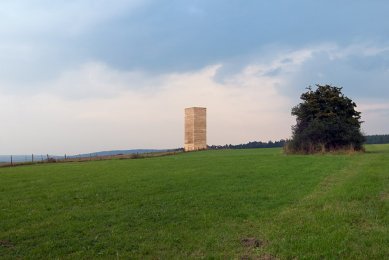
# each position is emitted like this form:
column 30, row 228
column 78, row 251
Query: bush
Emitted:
column 326, row 121
column 136, row 156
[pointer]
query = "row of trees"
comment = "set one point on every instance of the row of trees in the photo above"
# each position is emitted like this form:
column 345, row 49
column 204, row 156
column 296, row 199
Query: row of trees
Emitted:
column 370, row 139
column 249, row 145
column 377, row 139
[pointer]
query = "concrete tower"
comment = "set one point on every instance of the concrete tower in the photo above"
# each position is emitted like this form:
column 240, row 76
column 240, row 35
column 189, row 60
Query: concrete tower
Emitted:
column 195, row 128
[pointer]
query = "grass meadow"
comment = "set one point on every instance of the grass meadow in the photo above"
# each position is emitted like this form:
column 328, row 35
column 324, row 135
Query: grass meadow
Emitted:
column 230, row 204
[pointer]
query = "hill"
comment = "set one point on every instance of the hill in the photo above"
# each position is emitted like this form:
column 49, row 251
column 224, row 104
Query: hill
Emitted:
column 210, row 204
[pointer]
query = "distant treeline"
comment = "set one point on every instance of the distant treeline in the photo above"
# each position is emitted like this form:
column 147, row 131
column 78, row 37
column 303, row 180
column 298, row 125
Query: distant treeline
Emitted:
column 254, row 144
column 370, row 139
column 377, row 139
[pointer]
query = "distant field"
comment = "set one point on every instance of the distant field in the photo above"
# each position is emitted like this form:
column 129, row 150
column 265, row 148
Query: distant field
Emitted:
column 249, row 204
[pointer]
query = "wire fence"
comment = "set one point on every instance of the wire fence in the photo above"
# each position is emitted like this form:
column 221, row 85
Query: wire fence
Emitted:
column 15, row 160
column 25, row 158
column 42, row 158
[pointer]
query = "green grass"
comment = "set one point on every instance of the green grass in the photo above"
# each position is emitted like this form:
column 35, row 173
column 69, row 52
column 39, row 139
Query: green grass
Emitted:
column 200, row 205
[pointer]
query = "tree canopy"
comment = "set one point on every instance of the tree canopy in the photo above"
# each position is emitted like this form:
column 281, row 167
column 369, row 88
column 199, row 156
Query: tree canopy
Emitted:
column 326, row 121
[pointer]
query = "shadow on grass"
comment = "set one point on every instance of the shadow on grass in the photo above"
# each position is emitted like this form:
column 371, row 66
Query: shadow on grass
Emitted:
column 377, row 152
column 377, row 149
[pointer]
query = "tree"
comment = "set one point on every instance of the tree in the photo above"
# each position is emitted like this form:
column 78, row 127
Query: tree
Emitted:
column 326, row 120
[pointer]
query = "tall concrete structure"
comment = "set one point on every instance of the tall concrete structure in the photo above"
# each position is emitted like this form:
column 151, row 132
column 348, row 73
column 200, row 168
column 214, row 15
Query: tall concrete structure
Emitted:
column 195, row 128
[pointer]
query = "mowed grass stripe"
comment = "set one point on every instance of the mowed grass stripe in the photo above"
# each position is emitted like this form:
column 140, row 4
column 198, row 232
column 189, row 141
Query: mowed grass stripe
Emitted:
column 197, row 205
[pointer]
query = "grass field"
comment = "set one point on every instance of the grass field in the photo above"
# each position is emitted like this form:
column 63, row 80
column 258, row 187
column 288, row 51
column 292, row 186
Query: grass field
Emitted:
column 237, row 204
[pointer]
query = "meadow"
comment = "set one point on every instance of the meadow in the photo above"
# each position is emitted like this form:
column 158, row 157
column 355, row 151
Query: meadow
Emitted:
column 234, row 204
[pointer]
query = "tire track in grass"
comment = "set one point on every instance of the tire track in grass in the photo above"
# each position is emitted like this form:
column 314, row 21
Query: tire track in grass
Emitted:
column 336, row 220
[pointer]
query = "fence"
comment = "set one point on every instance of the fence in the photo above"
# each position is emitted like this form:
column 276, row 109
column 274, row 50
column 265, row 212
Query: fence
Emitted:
column 36, row 158
column 14, row 160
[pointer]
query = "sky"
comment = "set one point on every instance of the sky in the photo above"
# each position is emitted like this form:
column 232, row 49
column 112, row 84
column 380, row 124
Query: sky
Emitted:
column 80, row 76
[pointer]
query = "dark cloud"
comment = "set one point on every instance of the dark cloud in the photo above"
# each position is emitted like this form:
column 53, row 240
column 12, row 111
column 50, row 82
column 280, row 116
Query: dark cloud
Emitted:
column 176, row 36
column 360, row 75
column 168, row 35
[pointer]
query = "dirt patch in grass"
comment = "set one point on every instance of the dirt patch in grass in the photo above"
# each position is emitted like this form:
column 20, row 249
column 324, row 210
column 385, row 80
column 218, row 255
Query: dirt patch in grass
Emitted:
column 6, row 243
column 268, row 257
column 262, row 257
column 384, row 196
column 251, row 242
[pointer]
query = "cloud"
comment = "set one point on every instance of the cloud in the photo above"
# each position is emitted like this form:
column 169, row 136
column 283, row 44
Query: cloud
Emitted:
column 111, row 113
column 97, row 80
column 79, row 76
column 94, row 106
column 361, row 69
column 59, row 17
column 39, row 38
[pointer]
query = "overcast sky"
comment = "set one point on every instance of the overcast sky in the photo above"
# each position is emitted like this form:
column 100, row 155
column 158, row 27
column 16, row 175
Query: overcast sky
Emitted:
column 90, row 75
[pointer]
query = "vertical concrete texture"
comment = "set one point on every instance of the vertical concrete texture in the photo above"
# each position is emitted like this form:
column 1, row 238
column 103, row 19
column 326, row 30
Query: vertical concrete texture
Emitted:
column 195, row 128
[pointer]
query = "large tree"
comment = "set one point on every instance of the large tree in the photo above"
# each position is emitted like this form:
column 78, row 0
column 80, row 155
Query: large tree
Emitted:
column 326, row 121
